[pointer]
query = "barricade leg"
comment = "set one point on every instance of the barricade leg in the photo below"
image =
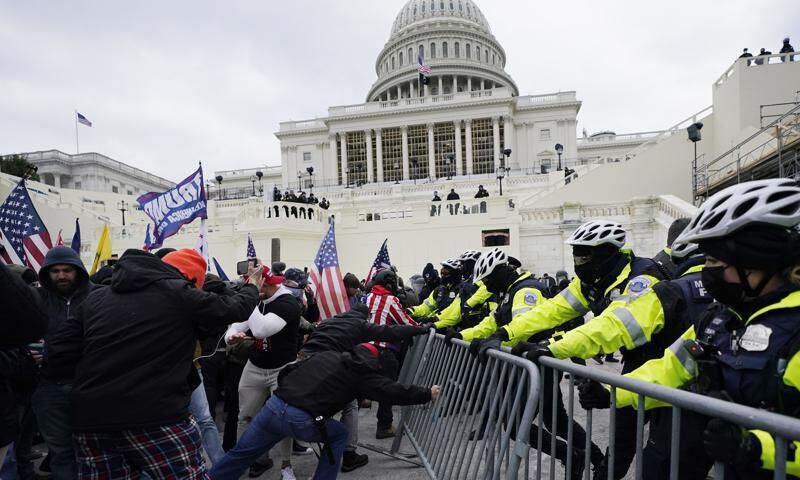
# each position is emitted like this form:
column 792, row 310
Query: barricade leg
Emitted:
column 675, row 444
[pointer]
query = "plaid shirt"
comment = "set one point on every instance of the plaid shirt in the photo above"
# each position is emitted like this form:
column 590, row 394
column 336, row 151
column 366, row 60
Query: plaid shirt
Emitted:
column 386, row 309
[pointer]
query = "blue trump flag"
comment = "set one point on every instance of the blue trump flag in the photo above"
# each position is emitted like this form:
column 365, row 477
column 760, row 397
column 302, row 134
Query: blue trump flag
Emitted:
column 176, row 207
column 220, row 273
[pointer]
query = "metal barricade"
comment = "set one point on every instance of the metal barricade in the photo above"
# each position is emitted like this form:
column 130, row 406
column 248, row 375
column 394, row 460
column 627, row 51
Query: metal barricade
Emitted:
column 782, row 428
column 470, row 431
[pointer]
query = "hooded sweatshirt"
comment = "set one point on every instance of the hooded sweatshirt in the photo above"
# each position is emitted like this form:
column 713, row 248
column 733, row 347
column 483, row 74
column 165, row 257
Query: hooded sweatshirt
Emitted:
column 131, row 345
column 58, row 306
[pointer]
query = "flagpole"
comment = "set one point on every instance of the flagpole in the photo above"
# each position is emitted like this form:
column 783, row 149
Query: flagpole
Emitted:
column 77, row 144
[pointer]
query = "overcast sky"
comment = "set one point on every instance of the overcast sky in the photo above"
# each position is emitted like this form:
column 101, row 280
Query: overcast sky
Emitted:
column 170, row 83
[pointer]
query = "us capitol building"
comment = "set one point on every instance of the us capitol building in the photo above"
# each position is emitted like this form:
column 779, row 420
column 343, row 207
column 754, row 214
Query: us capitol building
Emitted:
column 380, row 161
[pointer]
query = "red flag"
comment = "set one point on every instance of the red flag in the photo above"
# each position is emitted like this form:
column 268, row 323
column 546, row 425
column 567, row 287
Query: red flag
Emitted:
column 59, row 240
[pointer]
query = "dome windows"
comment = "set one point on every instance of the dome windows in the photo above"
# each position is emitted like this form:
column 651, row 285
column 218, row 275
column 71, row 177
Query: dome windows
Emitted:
column 469, row 51
column 400, row 57
column 457, row 50
column 392, row 62
column 444, row 50
column 433, row 50
column 410, row 55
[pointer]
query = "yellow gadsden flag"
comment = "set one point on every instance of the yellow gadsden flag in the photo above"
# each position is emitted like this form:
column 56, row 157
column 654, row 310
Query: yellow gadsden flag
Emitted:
column 103, row 250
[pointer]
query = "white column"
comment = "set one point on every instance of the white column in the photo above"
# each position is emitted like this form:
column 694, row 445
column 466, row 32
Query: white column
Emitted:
column 398, row 92
column 332, row 160
column 404, row 131
column 426, row 91
column 496, row 141
column 57, row 180
column 412, row 88
column 483, row 84
column 469, row 84
column 368, row 136
column 285, row 165
column 431, row 152
column 455, row 84
column 379, row 153
column 343, row 139
column 508, row 127
column 440, row 85
column 458, row 147
column 468, row 139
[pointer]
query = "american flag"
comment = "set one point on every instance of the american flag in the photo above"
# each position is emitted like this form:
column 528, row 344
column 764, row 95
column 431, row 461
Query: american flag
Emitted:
column 147, row 240
column 422, row 68
column 381, row 262
column 327, row 278
column 202, row 244
column 251, row 249
column 83, row 120
column 22, row 233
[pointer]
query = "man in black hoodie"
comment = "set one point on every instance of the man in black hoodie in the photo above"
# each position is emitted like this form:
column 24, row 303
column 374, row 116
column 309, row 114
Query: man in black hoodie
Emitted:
column 310, row 392
column 64, row 286
column 130, row 347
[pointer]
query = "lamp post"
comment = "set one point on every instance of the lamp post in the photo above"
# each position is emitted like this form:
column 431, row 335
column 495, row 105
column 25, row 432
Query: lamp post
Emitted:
column 694, row 136
column 501, row 172
column 449, row 163
column 310, row 171
column 396, row 173
column 221, row 192
column 253, row 182
column 260, row 174
column 122, row 206
column 559, row 151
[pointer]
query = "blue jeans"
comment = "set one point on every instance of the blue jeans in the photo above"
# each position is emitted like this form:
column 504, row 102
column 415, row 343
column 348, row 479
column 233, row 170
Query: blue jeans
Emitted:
column 198, row 407
column 52, row 407
column 276, row 421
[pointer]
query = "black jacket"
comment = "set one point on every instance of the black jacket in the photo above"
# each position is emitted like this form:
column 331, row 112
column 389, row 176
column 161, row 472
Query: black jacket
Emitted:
column 22, row 321
column 131, row 345
column 58, row 306
column 346, row 330
column 324, row 383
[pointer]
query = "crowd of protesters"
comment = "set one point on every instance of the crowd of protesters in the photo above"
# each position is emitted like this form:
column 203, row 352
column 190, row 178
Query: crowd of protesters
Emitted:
column 290, row 196
column 120, row 373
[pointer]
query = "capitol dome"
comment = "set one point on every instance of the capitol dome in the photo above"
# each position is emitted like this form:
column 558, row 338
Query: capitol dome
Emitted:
column 455, row 40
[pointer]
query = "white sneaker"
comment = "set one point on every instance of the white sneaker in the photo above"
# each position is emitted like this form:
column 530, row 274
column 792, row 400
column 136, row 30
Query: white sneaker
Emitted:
column 287, row 473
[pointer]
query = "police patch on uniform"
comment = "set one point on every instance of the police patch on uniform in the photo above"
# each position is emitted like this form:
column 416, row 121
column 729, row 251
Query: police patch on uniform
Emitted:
column 756, row 338
column 530, row 298
column 452, row 294
column 638, row 287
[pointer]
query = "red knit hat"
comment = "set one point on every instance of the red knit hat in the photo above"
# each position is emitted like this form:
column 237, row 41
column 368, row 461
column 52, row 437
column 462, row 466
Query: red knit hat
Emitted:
column 190, row 263
column 372, row 348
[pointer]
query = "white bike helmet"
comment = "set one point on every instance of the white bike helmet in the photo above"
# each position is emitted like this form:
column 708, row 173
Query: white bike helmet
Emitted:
column 683, row 250
column 598, row 232
column 774, row 202
column 488, row 262
column 452, row 263
column 473, row 255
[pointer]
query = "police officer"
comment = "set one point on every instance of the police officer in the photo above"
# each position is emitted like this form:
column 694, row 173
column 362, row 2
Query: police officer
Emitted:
column 517, row 294
column 644, row 323
column 604, row 273
column 444, row 294
column 745, row 347
column 473, row 303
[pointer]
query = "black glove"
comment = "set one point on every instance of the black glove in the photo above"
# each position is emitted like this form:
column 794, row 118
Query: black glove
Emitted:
column 474, row 346
column 450, row 334
column 538, row 351
column 521, row 349
column 592, row 394
column 731, row 444
column 491, row 343
column 426, row 320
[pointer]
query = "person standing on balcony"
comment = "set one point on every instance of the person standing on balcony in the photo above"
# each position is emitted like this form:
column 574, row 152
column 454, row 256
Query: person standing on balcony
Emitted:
column 746, row 54
column 453, row 195
column 436, row 197
column 764, row 51
column 786, row 48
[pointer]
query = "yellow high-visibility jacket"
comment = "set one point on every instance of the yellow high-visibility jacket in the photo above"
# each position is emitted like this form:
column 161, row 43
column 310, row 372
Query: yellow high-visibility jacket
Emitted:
column 678, row 367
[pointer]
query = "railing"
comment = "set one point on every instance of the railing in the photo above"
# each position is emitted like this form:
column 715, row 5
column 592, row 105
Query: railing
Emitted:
column 295, row 211
column 753, row 150
column 483, row 408
column 302, row 125
column 757, row 61
column 781, row 427
column 248, row 172
column 91, row 157
column 374, row 107
column 457, row 207
column 602, row 139
column 560, row 97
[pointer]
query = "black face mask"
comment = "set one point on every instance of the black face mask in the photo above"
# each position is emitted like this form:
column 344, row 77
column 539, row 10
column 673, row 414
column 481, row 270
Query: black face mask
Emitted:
column 724, row 292
column 594, row 270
